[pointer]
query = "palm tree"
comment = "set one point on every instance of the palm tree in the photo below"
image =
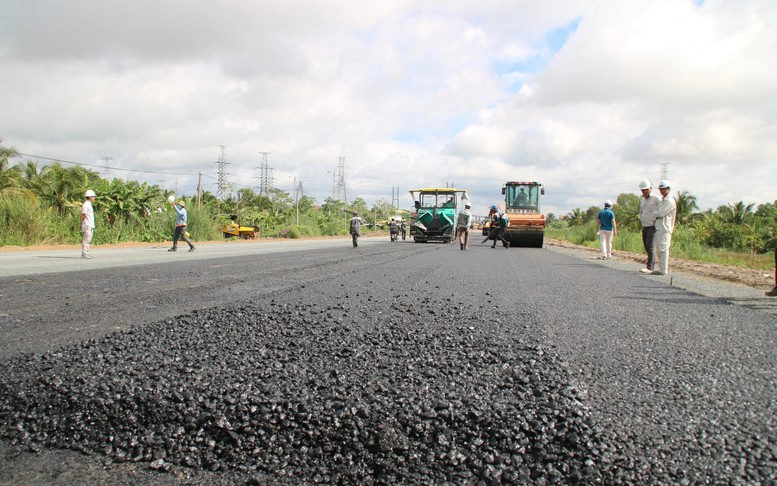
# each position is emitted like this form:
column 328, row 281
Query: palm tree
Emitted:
column 6, row 153
column 686, row 206
column 627, row 211
column 10, row 177
column 576, row 217
column 737, row 213
column 61, row 187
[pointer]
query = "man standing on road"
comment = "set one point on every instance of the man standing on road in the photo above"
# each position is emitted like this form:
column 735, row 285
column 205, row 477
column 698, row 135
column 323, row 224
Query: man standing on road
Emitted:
column 355, row 228
column 87, row 223
column 665, row 219
column 180, row 226
column 606, row 228
column 648, row 207
column 773, row 292
column 463, row 223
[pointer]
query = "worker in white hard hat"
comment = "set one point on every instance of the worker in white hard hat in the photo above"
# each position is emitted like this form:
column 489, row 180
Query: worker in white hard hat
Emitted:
column 648, row 207
column 463, row 223
column 665, row 220
column 87, row 223
column 606, row 228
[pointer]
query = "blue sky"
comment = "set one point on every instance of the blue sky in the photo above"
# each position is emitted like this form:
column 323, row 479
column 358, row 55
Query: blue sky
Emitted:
column 587, row 97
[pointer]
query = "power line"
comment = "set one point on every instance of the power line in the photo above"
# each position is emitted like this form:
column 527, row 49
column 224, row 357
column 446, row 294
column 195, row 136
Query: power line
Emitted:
column 103, row 167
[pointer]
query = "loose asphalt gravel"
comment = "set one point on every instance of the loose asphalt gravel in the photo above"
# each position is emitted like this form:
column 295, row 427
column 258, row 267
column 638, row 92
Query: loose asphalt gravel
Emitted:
column 389, row 364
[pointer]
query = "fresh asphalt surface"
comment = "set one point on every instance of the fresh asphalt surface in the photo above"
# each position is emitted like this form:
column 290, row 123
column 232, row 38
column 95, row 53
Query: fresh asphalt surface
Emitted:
column 643, row 350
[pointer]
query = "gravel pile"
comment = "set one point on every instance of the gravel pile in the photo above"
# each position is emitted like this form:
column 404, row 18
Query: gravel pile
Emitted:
column 357, row 390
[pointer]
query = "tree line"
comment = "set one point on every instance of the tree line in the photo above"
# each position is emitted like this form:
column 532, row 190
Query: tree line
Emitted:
column 42, row 205
column 736, row 226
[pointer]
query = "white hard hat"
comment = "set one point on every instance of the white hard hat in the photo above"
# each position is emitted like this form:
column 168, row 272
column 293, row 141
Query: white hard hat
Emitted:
column 608, row 203
column 90, row 193
column 645, row 184
column 467, row 205
column 663, row 184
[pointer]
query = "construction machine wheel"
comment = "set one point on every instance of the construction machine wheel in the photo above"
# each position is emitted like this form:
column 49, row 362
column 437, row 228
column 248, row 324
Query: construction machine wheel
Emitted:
column 525, row 239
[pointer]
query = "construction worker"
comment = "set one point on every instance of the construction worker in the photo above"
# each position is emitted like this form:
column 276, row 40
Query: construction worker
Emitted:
column 497, row 226
column 666, row 216
column 648, row 207
column 180, row 226
column 606, row 228
column 773, row 292
column 393, row 230
column 463, row 222
column 87, row 223
column 355, row 228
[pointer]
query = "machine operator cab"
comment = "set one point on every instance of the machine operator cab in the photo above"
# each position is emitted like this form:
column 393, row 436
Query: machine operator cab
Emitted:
column 523, row 197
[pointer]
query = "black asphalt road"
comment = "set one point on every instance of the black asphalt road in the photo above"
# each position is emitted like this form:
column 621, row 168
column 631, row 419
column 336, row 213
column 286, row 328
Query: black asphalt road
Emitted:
column 662, row 369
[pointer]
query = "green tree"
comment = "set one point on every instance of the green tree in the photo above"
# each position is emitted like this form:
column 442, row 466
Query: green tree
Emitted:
column 590, row 214
column 686, row 207
column 575, row 217
column 11, row 177
column 59, row 187
column 6, row 154
column 736, row 213
column 627, row 211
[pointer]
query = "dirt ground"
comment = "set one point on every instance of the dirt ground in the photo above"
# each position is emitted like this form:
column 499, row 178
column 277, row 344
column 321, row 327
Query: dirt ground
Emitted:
column 759, row 279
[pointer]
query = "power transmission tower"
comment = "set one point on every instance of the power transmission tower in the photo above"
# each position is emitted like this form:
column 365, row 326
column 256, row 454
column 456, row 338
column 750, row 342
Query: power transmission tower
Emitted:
column 265, row 175
column 340, row 193
column 222, row 172
column 106, row 159
column 665, row 171
column 395, row 197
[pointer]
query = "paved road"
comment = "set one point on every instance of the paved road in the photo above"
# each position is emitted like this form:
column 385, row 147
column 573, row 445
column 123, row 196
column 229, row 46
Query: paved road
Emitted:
column 50, row 298
column 656, row 363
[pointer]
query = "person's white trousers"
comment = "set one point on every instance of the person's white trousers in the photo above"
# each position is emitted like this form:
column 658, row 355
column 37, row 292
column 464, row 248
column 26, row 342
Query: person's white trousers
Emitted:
column 661, row 243
column 605, row 240
column 86, row 238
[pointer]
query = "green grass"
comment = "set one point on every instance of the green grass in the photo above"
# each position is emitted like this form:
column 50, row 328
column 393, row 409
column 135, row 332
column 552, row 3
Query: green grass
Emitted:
column 685, row 245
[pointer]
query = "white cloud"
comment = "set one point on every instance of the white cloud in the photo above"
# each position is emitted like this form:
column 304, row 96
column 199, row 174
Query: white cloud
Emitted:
column 586, row 97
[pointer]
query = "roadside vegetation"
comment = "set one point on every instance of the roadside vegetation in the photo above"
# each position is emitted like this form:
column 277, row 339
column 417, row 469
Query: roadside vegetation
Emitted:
column 42, row 205
column 736, row 234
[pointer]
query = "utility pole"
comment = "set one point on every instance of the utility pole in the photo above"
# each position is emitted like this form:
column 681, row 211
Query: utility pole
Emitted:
column 106, row 159
column 265, row 175
column 222, row 171
column 296, row 197
column 199, row 191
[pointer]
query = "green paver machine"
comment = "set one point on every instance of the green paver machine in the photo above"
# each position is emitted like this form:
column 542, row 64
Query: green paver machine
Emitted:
column 434, row 216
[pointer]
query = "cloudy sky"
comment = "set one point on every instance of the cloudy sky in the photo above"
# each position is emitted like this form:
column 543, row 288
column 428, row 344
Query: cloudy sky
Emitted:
column 587, row 97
